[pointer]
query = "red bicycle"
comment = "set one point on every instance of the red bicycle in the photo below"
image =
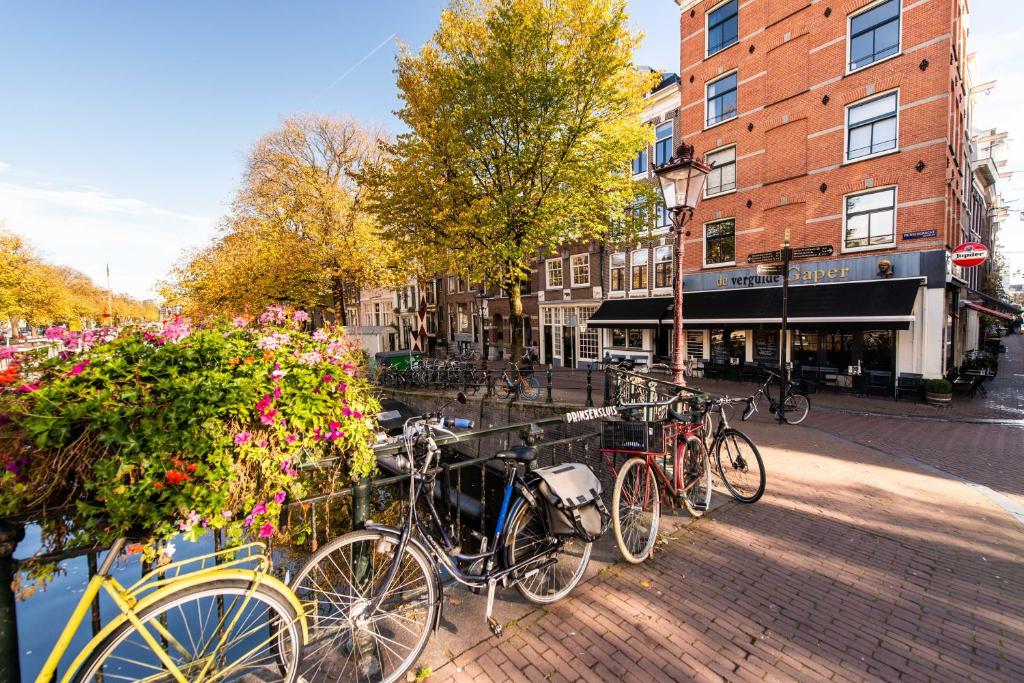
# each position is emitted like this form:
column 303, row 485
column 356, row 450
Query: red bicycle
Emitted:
column 665, row 460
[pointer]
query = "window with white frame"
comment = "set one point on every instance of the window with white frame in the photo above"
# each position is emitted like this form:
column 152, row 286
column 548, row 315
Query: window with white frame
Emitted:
column 640, row 162
column 662, row 218
column 580, row 267
column 663, row 143
column 463, row 318
column 588, row 343
column 639, row 263
column 720, row 243
column 721, row 99
column 722, row 177
column 663, row 266
column 723, row 26
column 618, row 272
column 553, row 268
column 871, row 126
column 874, row 33
column 453, row 283
column 694, row 344
column 870, row 219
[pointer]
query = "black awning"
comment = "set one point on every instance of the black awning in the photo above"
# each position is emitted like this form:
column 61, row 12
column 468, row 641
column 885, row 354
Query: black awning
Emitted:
column 648, row 312
column 998, row 304
column 872, row 303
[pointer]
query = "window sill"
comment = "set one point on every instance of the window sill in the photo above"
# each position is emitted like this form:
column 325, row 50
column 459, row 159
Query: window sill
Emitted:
column 876, row 155
column 720, row 194
column 870, row 247
column 617, row 294
column 720, row 50
column 850, row 72
column 709, row 126
column 551, row 287
column 708, row 266
column 661, row 291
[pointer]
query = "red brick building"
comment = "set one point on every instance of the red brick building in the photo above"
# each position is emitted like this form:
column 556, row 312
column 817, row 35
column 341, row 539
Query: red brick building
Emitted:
column 845, row 123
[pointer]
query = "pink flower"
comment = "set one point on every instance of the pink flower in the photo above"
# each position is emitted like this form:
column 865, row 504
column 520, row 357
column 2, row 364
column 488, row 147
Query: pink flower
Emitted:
column 277, row 392
column 227, row 514
column 278, row 374
column 342, row 387
column 300, row 316
column 77, row 370
column 288, row 470
column 260, row 509
column 267, row 530
column 27, row 388
column 248, row 521
column 240, row 321
column 328, row 379
column 264, row 403
column 279, row 497
column 357, row 415
column 264, row 443
column 242, row 438
column 267, row 418
column 346, row 411
column 291, row 438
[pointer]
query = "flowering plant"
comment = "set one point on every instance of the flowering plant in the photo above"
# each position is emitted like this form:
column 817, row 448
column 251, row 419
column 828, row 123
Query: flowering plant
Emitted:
column 182, row 427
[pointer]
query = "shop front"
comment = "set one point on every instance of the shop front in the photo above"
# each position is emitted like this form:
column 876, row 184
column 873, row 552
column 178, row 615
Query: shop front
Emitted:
column 852, row 323
column 566, row 340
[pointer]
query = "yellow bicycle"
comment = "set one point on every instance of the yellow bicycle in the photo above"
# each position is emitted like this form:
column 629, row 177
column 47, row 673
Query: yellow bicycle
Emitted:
column 219, row 617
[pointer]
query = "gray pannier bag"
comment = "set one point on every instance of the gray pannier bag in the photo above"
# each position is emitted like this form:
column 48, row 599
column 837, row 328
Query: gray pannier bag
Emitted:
column 572, row 493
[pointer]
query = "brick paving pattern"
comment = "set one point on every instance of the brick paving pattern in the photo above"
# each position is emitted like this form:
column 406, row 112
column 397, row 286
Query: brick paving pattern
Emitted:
column 854, row 566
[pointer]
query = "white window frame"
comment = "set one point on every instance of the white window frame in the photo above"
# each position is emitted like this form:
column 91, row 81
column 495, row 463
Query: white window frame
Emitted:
column 895, row 217
column 849, row 35
column 735, row 163
column 654, row 283
column 547, row 274
column 647, row 270
column 707, row 29
column 846, row 127
column 572, row 269
column 708, row 84
column 704, row 243
column 625, row 272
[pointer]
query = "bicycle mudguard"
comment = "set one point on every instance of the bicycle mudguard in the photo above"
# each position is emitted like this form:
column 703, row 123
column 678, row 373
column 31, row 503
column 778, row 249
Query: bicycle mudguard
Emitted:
column 391, row 531
column 169, row 589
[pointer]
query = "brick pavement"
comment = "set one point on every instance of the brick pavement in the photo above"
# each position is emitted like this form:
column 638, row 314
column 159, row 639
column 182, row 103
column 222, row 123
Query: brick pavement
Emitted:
column 854, row 566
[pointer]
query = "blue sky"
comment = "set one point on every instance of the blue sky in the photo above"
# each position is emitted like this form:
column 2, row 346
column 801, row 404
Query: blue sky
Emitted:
column 124, row 125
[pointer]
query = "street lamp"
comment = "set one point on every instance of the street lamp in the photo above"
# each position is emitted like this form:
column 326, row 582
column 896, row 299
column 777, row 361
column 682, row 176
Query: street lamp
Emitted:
column 682, row 184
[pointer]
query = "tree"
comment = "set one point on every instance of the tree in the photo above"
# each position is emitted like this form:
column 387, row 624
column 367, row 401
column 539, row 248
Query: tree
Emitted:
column 523, row 116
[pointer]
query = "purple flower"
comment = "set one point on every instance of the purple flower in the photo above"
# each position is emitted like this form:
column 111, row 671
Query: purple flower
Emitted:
column 267, row 530
column 300, row 316
column 240, row 321
column 248, row 521
column 242, row 438
column 260, row 509
column 277, row 392
column 279, row 497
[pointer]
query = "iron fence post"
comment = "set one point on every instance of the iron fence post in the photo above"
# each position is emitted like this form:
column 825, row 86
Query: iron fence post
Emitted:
column 10, row 667
column 548, row 379
column 590, row 386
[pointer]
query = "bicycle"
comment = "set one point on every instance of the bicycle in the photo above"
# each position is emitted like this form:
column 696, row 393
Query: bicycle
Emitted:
column 685, row 476
column 376, row 594
column 793, row 408
column 518, row 385
column 737, row 458
column 253, row 626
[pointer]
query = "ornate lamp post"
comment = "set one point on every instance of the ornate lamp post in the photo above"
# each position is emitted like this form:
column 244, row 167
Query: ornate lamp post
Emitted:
column 682, row 185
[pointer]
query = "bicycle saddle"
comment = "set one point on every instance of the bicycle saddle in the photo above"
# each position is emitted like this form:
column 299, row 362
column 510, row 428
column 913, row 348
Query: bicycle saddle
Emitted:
column 524, row 454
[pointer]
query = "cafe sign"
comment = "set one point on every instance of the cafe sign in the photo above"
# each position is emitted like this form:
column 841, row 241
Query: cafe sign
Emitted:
column 969, row 254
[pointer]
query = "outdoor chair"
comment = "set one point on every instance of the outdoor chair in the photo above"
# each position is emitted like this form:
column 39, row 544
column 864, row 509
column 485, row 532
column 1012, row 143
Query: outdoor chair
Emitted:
column 910, row 383
column 878, row 382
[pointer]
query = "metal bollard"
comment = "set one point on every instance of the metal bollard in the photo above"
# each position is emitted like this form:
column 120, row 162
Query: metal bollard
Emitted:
column 549, row 399
column 590, row 387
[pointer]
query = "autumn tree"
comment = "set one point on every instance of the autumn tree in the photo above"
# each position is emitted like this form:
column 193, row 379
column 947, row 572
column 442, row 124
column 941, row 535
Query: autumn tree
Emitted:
column 523, row 116
column 299, row 231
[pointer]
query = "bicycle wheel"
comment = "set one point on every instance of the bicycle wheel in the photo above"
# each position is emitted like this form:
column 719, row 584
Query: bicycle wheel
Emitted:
column 696, row 471
column 527, row 536
column 795, row 408
column 636, row 510
column 529, row 387
column 740, row 465
column 218, row 630
column 339, row 582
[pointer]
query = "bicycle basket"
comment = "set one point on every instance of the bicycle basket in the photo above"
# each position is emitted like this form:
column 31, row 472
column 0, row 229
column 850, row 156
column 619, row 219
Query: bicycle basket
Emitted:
column 642, row 437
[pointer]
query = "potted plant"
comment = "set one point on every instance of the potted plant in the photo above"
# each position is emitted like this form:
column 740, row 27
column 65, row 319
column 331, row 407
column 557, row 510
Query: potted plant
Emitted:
column 938, row 392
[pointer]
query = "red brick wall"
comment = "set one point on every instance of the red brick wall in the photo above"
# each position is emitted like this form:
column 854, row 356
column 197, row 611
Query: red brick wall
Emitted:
column 793, row 90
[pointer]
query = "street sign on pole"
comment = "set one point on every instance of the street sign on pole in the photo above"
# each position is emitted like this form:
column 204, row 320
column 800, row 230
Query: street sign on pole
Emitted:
column 764, row 257
column 770, row 269
column 822, row 251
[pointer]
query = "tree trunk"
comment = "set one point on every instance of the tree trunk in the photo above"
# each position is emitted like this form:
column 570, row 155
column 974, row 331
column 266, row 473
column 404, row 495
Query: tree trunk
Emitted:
column 338, row 290
column 515, row 318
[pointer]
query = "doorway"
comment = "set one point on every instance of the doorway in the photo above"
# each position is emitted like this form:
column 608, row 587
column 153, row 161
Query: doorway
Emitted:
column 569, row 346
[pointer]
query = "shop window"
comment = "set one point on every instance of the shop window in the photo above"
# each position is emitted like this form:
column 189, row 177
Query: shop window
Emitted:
column 663, row 266
column 588, row 343
column 639, row 259
column 871, row 219
column 738, row 345
column 719, row 347
column 721, row 99
column 619, row 338
column 871, row 127
column 877, row 352
column 580, row 267
column 723, row 26
column 836, row 350
column 694, row 344
column 722, row 177
column 554, row 273
column 630, row 338
column 766, row 346
column 618, row 272
column 720, row 243
column 805, row 348
column 874, row 34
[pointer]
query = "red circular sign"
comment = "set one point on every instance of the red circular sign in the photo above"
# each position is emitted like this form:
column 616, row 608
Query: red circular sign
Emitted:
column 970, row 254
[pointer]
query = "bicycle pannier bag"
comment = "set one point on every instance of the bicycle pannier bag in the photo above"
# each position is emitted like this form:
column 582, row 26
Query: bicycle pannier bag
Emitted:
column 572, row 493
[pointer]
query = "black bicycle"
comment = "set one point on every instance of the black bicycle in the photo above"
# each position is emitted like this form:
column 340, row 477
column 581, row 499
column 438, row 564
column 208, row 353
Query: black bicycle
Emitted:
column 375, row 595
column 793, row 408
column 736, row 457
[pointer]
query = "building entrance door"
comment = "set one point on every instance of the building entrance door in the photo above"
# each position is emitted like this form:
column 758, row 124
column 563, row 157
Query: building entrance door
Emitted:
column 569, row 346
column 661, row 344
